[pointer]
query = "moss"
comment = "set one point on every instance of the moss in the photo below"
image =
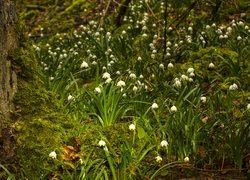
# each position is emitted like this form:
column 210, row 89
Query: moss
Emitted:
column 76, row 6
column 117, row 137
column 29, row 15
column 113, row 136
column 221, row 57
column 68, row 17
column 41, row 123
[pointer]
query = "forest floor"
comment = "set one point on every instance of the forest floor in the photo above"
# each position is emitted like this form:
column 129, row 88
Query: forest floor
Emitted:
column 142, row 102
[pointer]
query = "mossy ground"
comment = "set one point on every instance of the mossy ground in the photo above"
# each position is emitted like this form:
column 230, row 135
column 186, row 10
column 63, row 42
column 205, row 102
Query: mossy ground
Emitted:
column 41, row 121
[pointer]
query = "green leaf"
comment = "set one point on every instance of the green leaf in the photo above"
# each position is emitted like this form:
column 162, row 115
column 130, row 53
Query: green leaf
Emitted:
column 164, row 173
column 141, row 133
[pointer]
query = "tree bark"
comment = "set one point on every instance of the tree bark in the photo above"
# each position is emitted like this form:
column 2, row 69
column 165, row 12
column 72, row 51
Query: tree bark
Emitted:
column 122, row 12
column 8, row 79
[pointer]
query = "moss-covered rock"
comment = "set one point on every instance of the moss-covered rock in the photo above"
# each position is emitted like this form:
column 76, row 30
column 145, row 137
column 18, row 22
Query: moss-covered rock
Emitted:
column 113, row 135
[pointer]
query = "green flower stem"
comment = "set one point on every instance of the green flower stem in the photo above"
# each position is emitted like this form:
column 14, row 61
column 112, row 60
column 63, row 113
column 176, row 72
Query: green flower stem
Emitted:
column 111, row 164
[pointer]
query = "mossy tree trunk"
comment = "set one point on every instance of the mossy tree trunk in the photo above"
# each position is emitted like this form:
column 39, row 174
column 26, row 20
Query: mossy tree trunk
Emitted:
column 8, row 80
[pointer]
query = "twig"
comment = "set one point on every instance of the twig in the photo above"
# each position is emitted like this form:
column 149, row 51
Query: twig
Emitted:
column 165, row 30
column 184, row 15
column 104, row 14
column 117, row 3
column 151, row 11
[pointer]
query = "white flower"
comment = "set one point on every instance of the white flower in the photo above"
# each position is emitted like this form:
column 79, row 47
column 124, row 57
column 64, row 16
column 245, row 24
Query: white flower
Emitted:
column 97, row 34
column 248, row 107
column 164, row 143
column 191, row 74
column 233, row 87
column 190, row 80
column 184, row 77
column 203, row 99
column 70, row 97
column 158, row 159
column 81, row 161
column 177, row 83
column 161, row 66
column 53, row 155
column 173, row 109
column 229, row 29
column 135, row 88
column 240, row 23
column 154, row 106
column 108, row 80
column 124, row 32
column 186, row 159
column 120, row 83
column 106, row 75
column 98, row 90
column 189, row 40
column 190, row 28
column 218, row 31
column 139, row 58
column 170, row 65
column 84, row 64
column 211, row 65
column 132, row 76
column 190, row 70
column 131, row 127
column 239, row 38
column 102, row 143
column 108, row 34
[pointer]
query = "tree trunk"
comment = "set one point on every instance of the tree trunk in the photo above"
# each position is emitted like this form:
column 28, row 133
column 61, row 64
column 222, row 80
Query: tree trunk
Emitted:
column 8, row 80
